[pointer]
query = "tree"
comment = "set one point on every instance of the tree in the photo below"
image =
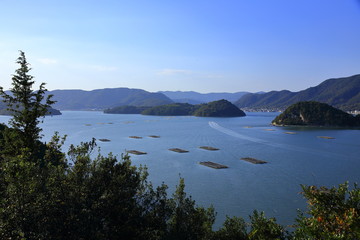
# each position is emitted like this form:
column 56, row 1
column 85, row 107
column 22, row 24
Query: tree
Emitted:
column 233, row 229
column 265, row 228
column 333, row 213
column 189, row 221
column 27, row 107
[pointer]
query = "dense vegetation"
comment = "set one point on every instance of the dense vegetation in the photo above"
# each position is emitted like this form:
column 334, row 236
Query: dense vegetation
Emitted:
column 47, row 194
column 221, row 108
column 175, row 109
column 126, row 110
column 343, row 93
column 100, row 99
column 316, row 114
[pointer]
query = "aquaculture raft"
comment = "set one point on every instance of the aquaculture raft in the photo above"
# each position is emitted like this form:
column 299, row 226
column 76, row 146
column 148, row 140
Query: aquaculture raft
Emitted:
column 209, row 148
column 136, row 152
column 253, row 160
column 178, row 150
column 213, row 165
column 136, row 137
column 326, row 137
column 154, row 136
column 104, row 140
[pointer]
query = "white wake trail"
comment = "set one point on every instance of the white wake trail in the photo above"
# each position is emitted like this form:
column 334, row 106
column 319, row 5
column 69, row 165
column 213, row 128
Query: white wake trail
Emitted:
column 232, row 133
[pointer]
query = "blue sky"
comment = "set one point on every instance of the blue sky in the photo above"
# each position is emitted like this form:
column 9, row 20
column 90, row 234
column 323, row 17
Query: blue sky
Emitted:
column 201, row 45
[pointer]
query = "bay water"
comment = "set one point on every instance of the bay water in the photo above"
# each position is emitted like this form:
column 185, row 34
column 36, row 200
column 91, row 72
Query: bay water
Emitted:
column 295, row 156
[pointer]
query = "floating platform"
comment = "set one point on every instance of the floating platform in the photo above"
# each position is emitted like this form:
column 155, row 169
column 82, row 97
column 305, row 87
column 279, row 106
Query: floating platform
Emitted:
column 213, row 165
column 104, row 140
column 178, row 150
column 290, row 132
column 136, row 137
column 325, row 137
column 136, row 152
column 209, row 148
column 154, row 136
column 253, row 160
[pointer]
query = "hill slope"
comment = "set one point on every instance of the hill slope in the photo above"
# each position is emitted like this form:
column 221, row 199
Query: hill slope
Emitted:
column 316, row 114
column 220, row 108
column 106, row 98
column 343, row 93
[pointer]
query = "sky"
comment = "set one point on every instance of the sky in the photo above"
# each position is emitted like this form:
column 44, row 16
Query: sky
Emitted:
column 189, row 45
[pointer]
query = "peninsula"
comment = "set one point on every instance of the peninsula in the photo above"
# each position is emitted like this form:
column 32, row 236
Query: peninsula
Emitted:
column 312, row 113
column 220, row 108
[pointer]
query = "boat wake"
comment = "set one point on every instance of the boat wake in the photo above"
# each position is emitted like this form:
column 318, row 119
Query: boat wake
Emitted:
column 232, row 133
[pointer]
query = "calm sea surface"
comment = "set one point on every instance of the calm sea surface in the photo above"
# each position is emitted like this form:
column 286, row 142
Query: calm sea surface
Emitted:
column 293, row 159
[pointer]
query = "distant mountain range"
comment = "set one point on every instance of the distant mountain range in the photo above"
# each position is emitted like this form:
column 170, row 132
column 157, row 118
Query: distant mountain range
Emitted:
column 100, row 99
column 197, row 98
column 343, row 93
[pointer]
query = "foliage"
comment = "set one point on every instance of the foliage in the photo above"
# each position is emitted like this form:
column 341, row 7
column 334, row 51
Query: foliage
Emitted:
column 175, row 109
column 315, row 114
column 27, row 107
column 333, row 213
column 263, row 228
column 126, row 110
column 233, row 229
column 188, row 221
column 221, row 108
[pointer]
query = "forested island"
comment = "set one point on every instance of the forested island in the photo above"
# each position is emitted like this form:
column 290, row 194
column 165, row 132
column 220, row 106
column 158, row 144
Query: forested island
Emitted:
column 311, row 113
column 221, row 108
column 126, row 110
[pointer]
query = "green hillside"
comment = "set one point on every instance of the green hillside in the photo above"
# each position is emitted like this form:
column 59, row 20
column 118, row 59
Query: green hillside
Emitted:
column 221, row 108
column 175, row 109
column 126, row 110
column 316, row 114
column 343, row 93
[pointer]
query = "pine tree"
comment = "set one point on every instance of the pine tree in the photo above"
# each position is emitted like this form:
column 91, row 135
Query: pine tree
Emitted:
column 27, row 107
